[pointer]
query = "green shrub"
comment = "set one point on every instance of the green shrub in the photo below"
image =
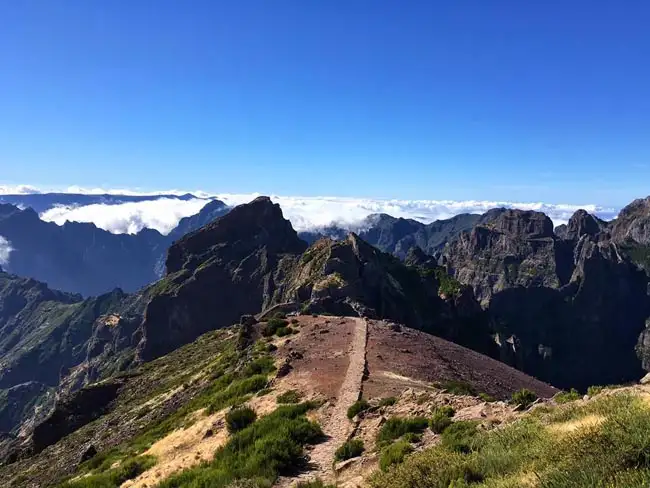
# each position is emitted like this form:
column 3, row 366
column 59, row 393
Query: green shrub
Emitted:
column 290, row 396
column 271, row 446
column 351, row 449
column 412, row 437
column 357, row 407
column 396, row 427
column 568, row 396
column 524, row 398
column 284, row 331
column 387, row 402
column 239, row 418
column 457, row 387
column 594, row 390
column 459, row 436
column 441, row 418
column 294, row 321
column 272, row 325
column 237, row 389
column 394, row 454
column 263, row 365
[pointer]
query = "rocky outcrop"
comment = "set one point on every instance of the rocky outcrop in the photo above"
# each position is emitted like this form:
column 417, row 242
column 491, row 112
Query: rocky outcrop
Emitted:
column 71, row 413
column 556, row 303
column 231, row 267
column 516, row 248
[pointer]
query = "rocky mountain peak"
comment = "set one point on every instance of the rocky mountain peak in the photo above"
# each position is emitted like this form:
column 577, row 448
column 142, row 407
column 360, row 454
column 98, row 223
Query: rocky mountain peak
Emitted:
column 259, row 223
column 583, row 223
column 527, row 224
column 633, row 223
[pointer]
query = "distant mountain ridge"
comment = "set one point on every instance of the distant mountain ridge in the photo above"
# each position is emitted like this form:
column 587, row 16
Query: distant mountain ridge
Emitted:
column 82, row 258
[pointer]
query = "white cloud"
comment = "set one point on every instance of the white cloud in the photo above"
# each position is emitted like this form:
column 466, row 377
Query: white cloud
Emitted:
column 304, row 212
column 5, row 250
column 161, row 214
column 314, row 212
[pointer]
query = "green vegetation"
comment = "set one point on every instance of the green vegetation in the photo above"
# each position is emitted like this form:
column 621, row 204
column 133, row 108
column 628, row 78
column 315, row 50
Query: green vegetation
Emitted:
column 290, row 396
column 387, row 402
column 456, row 387
column 272, row 326
column 357, row 407
column 594, row 390
column 394, row 454
column 601, row 443
column 524, row 398
column 351, row 449
column 284, row 331
column 568, row 396
column 441, row 418
column 449, row 286
column 268, row 447
column 459, row 436
column 486, row 397
column 396, row 427
column 114, row 477
column 239, row 418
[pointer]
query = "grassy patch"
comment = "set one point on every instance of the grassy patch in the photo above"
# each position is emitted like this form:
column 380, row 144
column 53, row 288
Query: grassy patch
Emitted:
column 114, row 477
column 396, row 427
column 290, row 396
column 351, row 449
column 270, row 446
column 272, row 326
column 603, row 443
column 486, row 397
column 357, row 407
column 394, row 454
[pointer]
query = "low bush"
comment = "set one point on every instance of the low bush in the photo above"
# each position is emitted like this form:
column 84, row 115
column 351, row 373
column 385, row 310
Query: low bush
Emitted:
column 290, row 396
column 351, row 449
column 387, row 402
column 284, row 331
column 524, row 398
column 272, row 326
column 441, row 418
column 357, row 407
column 486, row 397
column 394, row 454
column 568, row 396
column 396, row 427
column 594, row 390
column 459, row 436
column 239, row 418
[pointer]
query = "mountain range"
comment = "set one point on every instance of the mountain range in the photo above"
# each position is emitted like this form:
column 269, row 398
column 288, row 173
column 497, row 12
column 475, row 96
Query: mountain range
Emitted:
column 569, row 305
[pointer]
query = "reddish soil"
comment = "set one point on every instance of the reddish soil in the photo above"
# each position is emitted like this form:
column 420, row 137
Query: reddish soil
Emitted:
column 429, row 359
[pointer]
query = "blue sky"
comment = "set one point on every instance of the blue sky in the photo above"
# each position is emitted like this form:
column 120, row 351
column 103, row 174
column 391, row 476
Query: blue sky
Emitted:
column 509, row 100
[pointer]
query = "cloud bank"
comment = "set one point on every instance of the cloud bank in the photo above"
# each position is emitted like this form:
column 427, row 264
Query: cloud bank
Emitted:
column 5, row 250
column 161, row 214
column 315, row 212
column 305, row 213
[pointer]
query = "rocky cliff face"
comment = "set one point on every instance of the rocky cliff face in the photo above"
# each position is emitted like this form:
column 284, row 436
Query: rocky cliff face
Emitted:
column 556, row 303
column 231, row 267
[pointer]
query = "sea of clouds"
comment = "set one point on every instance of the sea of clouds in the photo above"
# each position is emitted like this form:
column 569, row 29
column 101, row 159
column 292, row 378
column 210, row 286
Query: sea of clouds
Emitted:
column 305, row 213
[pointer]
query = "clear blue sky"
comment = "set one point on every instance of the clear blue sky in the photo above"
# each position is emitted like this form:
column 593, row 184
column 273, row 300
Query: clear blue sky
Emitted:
column 512, row 100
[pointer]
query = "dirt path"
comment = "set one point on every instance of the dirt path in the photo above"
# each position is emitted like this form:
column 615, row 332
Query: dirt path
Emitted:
column 336, row 426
